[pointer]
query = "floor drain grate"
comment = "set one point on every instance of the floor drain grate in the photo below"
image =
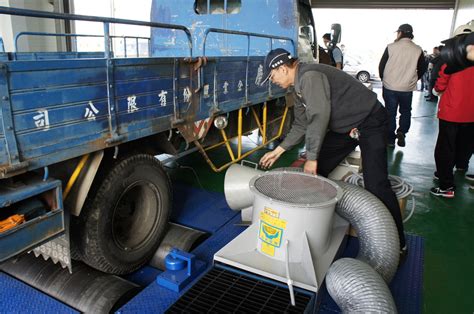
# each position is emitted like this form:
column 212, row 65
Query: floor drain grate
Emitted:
column 224, row 291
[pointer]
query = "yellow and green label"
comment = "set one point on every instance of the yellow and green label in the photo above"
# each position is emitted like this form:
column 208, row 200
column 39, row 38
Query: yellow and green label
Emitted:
column 271, row 230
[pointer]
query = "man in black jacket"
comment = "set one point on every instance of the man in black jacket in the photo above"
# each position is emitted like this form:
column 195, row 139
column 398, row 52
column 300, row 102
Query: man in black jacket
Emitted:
column 435, row 65
column 337, row 57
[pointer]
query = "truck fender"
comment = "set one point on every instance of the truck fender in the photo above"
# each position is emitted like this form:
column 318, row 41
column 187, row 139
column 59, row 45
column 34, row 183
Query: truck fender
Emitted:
column 76, row 198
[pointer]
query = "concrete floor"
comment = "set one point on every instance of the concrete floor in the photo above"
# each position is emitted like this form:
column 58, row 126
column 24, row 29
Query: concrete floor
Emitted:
column 445, row 224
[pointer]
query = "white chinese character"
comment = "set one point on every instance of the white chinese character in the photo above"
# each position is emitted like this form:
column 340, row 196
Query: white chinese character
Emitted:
column 259, row 77
column 206, row 90
column 162, row 96
column 225, row 87
column 239, row 86
column 187, row 94
column 91, row 112
column 42, row 119
column 132, row 104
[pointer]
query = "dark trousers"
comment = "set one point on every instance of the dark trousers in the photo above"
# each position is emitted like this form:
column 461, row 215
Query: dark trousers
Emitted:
column 454, row 146
column 373, row 146
column 425, row 81
column 400, row 101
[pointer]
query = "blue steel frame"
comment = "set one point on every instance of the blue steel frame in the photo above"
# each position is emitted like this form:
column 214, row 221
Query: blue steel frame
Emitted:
column 58, row 91
column 9, row 144
column 37, row 230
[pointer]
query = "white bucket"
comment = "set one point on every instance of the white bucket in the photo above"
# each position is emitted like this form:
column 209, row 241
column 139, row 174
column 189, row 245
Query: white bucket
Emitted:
column 293, row 206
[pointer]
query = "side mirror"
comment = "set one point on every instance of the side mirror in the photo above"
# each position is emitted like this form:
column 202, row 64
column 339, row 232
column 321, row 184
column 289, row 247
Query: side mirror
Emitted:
column 308, row 32
column 336, row 33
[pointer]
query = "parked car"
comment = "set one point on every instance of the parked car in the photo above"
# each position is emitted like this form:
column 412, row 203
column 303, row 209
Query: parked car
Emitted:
column 358, row 69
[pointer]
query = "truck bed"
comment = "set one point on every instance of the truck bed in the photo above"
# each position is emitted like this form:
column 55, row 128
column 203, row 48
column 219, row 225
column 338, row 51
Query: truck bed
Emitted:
column 57, row 106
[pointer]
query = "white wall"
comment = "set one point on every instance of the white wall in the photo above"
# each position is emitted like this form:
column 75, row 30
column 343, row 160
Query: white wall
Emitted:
column 6, row 31
column 123, row 9
column 366, row 32
column 11, row 25
column 465, row 12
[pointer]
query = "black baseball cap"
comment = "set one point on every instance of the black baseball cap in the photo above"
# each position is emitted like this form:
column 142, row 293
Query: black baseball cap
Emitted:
column 405, row 28
column 273, row 60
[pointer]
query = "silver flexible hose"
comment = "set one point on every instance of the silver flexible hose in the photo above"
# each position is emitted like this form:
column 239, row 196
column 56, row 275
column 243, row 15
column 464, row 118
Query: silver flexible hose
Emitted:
column 401, row 188
column 378, row 237
column 360, row 285
column 358, row 288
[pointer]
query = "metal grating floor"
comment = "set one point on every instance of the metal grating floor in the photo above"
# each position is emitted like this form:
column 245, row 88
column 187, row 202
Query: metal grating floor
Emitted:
column 224, row 291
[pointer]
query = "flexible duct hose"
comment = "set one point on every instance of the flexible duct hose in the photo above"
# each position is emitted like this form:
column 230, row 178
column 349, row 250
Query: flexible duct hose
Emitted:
column 358, row 288
column 354, row 285
column 401, row 188
column 378, row 237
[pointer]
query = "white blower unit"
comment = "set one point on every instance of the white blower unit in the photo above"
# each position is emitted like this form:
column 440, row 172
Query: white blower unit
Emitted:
column 295, row 233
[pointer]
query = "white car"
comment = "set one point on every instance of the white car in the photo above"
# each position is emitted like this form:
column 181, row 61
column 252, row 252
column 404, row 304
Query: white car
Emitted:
column 355, row 67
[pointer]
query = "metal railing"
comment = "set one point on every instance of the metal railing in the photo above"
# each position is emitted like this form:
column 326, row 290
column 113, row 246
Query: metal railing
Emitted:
column 248, row 35
column 105, row 20
column 271, row 38
column 75, row 36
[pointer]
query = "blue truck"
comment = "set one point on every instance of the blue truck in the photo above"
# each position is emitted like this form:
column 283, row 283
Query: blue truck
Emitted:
column 80, row 130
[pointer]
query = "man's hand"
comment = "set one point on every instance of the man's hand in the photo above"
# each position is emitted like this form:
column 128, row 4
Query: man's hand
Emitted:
column 311, row 166
column 269, row 158
column 470, row 52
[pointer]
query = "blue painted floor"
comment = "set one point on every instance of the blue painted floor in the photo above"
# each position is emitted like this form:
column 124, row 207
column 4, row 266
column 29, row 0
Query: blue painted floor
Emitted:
column 406, row 287
column 207, row 211
column 17, row 297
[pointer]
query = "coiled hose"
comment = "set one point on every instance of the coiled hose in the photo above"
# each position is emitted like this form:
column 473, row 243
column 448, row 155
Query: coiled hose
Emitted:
column 401, row 188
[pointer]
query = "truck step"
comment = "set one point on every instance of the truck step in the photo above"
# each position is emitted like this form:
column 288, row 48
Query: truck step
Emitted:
column 40, row 203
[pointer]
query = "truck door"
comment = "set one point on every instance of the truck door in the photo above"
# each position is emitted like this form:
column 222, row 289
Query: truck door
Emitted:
column 306, row 33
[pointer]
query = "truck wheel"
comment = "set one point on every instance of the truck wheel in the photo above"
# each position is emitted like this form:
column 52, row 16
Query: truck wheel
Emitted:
column 124, row 220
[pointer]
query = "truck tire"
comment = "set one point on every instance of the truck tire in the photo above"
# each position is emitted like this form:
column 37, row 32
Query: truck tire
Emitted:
column 125, row 215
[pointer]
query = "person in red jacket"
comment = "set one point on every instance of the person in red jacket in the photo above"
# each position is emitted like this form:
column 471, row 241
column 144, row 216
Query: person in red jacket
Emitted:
column 455, row 142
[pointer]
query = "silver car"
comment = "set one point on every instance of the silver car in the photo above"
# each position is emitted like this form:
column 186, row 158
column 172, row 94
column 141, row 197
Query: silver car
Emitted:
column 356, row 68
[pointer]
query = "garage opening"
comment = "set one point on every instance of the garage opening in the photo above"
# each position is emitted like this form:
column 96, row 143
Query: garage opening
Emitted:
column 366, row 33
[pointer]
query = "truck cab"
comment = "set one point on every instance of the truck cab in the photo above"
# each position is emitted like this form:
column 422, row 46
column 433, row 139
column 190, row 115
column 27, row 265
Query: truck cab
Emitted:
column 284, row 18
